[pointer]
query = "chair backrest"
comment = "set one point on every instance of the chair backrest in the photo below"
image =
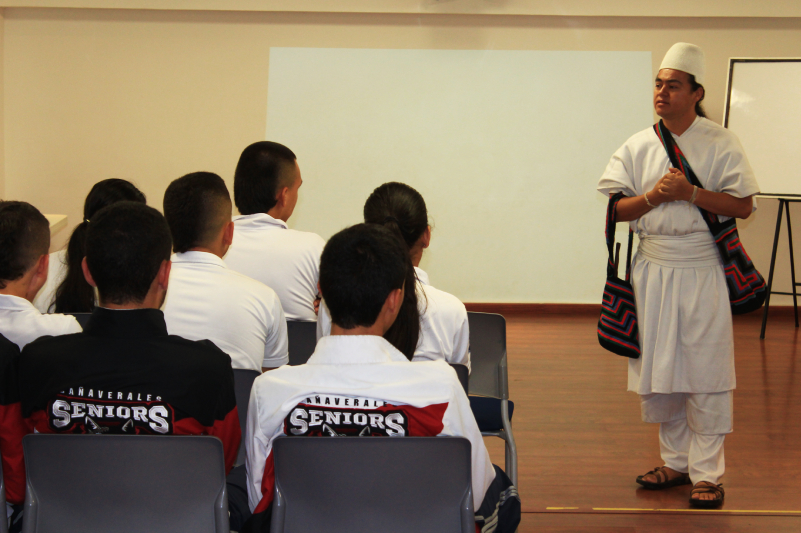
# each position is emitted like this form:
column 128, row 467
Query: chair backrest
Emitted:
column 419, row 484
column 302, row 340
column 463, row 374
column 82, row 318
column 243, row 382
column 124, row 483
column 488, row 376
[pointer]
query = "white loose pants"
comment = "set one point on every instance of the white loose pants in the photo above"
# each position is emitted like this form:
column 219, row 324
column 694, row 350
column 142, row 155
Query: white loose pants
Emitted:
column 692, row 428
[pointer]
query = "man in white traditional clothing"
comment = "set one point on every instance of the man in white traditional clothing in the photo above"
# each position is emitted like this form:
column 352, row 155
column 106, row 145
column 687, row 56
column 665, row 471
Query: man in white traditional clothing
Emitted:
column 685, row 374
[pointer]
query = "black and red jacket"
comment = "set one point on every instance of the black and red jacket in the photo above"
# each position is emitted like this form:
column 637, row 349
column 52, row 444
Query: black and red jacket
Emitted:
column 12, row 425
column 125, row 375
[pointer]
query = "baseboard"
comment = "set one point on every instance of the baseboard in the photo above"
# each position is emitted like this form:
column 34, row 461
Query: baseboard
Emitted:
column 579, row 309
column 534, row 309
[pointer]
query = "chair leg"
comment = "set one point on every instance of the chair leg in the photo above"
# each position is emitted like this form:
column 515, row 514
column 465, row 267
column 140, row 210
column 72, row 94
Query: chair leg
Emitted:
column 511, row 447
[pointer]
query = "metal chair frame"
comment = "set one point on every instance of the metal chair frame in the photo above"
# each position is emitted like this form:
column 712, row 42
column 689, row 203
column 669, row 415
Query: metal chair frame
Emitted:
column 497, row 387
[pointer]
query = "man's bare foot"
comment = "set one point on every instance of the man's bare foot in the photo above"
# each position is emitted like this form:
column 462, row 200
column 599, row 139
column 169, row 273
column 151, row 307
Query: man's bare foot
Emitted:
column 706, row 495
column 711, row 495
column 669, row 472
column 663, row 477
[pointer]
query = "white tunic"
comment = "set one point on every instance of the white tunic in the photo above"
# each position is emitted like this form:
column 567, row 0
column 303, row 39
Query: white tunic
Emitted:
column 353, row 374
column 682, row 301
column 444, row 330
column 56, row 272
column 243, row 317
column 286, row 260
column 21, row 322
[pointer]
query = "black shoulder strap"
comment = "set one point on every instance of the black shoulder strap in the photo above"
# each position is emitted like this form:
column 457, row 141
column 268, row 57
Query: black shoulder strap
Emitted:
column 611, row 221
column 677, row 160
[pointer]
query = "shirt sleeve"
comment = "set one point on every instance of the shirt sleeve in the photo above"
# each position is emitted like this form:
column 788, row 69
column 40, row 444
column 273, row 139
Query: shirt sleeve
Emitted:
column 276, row 349
column 459, row 421
column 259, row 450
column 12, row 428
column 461, row 341
column 732, row 173
column 226, row 421
column 618, row 176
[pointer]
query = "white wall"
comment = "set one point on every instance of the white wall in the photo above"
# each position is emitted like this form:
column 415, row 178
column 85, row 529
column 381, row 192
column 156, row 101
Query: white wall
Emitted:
column 149, row 95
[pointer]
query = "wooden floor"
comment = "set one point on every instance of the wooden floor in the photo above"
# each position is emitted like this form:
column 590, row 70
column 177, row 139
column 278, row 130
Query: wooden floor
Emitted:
column 581, row 442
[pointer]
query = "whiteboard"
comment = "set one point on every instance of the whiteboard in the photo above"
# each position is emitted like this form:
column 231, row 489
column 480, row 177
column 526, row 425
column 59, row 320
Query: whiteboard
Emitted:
column 764, row 110
column 506, row 147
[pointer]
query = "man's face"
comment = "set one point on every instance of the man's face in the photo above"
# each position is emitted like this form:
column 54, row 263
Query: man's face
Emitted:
column 292, row 193
column 673, row 94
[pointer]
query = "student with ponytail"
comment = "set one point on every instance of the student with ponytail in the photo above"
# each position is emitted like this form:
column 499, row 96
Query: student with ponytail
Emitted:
column 66, row 290
column 441, row 331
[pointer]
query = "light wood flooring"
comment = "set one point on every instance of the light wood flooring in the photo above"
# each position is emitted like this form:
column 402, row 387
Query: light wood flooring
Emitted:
column 581, row 442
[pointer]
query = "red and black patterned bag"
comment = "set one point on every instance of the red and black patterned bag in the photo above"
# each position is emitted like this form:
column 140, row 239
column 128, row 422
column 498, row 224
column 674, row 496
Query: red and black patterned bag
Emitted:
column 617, row 327
column 747, row 290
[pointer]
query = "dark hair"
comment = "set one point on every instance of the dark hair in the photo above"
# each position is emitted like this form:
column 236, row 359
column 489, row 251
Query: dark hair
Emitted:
column 74, row 295
column 263, row 168
column 196, row 207
column 359, row 268
column 401, row 209
column 24, row 238
column 694, row 86
column 125, row 246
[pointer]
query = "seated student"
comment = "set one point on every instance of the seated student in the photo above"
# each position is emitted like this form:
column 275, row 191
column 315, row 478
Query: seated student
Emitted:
column 362, row 274
column 124, row 374
column 66, row 290
column 24, row 242
column 12, row 426
column 266, row 186
column 206, row 300
column 444, row 331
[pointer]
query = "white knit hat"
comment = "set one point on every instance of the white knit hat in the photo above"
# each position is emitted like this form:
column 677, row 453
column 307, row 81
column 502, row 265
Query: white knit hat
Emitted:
column 687, row 58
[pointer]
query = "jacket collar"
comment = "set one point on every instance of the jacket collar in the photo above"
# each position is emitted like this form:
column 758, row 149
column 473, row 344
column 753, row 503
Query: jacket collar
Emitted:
column 355, row 350
column 422, row 276
column 126, row 323
column 258, row 220
column 205, row 258
column 15, row 303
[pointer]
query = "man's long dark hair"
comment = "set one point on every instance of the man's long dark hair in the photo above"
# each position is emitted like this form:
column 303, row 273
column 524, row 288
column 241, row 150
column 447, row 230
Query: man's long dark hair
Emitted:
column 401, row 209
column 74, row 295
column 694, row 86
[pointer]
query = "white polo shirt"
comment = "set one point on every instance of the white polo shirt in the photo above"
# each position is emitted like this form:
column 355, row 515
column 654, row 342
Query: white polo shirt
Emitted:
column 207, row 300
column 444, row 330
column 21, row 322
column 56, row 272
column 286, row 260
column 357, row 385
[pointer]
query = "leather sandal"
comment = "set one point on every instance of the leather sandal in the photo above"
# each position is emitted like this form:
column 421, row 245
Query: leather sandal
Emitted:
column 707, row 488
column 662, row 481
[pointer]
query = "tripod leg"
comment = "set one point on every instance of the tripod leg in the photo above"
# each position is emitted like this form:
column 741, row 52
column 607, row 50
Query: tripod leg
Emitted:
column 772, row 264
column 792, row 262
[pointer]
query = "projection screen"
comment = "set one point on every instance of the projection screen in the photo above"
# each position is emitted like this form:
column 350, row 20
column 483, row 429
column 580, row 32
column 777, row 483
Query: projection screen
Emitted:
column 506, row 147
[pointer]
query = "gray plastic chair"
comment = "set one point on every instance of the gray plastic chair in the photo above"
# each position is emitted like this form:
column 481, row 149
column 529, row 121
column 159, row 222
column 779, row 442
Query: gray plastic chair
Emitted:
column 463, row 374
column 387, row 484
column 243, row 382
column 302, row 341
column 124, row 483
column 489, row 376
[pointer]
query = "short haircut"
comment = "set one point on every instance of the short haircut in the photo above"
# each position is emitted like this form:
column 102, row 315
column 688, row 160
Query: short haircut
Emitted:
column 360, row 266
column 197, row 206
column 264, row 167
column 126, row 244
column 24, row 238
